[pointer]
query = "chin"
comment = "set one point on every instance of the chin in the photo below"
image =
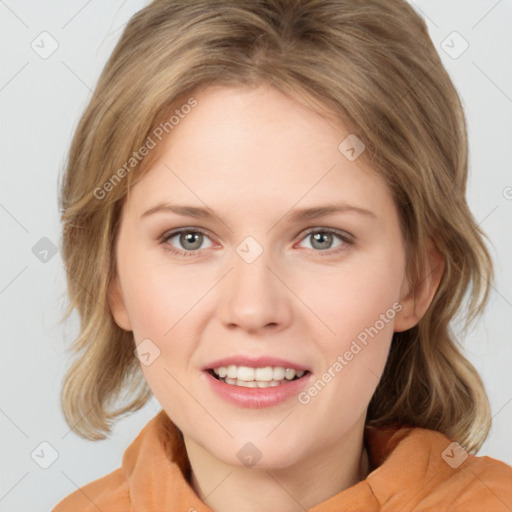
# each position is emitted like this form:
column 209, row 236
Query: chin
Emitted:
column 257, row 454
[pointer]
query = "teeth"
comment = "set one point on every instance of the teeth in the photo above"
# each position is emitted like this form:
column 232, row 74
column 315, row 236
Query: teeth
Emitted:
column 246, row 384
column 279, row 372
column 232, row 371
column 245, row 373
column 289, row 373
column 256, row 384
column 264, row 374
column 246, row 376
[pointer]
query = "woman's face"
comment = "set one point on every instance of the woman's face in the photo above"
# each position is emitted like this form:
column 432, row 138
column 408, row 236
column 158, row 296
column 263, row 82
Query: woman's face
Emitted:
column 232, row 257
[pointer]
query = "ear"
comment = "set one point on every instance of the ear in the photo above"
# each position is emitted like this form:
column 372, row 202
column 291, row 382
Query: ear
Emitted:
column 415, row 302
column 117, row 305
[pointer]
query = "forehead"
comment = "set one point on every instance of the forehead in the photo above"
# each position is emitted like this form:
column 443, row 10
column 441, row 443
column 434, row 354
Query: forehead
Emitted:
column 255, row 147
column 233, row 123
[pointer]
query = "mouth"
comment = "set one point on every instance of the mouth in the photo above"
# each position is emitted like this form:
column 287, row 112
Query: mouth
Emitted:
column 264, row 377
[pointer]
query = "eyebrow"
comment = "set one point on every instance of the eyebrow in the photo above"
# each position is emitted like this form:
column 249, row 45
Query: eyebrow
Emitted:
column 299, row 214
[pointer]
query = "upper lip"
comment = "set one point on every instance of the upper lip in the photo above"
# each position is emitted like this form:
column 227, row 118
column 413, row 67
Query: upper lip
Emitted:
column 254, row 362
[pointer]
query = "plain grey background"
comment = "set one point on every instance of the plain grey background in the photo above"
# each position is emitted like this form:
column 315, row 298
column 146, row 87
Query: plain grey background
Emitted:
column 52, row 54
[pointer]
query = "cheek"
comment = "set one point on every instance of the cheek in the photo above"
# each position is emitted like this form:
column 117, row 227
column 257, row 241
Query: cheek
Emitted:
column 359, row 306
column 159, row 299
column 354, row 298
column 164, row 306
column 160, row 304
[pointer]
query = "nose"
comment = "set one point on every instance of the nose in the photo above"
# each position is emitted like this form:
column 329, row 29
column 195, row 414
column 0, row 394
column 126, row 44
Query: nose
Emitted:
column 254, row 297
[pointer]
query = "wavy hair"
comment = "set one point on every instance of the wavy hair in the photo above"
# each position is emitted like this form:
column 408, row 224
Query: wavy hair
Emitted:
column 369, row 63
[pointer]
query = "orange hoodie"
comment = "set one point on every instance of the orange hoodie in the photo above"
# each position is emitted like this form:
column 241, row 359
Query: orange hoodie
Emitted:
column 412, row 469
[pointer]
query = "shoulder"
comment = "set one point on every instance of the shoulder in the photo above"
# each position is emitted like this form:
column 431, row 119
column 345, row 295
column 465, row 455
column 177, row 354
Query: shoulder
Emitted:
column 430, row 472
column 477, row 484
column 134, row 480
column 110, row 493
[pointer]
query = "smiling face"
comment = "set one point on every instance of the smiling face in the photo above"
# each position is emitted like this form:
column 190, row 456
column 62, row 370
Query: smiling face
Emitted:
column 257, row 271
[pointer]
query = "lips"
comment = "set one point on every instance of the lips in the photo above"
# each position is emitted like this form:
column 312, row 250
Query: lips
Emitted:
column 263, row 381
column 255, row 394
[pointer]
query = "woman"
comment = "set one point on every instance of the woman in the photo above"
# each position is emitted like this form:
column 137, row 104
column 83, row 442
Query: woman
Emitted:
column 265, row 227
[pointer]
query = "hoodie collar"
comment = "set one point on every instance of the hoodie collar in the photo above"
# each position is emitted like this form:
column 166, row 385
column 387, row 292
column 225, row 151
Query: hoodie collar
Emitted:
column 157, row 470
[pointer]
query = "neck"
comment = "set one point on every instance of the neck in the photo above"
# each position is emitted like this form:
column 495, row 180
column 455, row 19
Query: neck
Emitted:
column 317, row 477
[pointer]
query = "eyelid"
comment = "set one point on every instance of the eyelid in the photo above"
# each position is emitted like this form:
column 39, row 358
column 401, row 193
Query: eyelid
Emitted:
column 344, row 235
column 187, row 229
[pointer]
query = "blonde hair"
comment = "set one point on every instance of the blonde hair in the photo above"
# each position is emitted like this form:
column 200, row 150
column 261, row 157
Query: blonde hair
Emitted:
column 370, row 64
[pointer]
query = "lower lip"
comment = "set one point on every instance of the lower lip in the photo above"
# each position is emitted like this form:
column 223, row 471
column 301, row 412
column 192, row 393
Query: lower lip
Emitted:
column 257, row 397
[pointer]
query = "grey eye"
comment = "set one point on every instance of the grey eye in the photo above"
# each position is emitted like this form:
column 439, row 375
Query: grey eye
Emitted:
column 187, row 240
column 322, row 240
column 191, row 240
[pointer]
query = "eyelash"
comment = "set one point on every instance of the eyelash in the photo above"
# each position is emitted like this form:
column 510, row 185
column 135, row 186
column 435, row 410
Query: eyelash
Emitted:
column 347, row 240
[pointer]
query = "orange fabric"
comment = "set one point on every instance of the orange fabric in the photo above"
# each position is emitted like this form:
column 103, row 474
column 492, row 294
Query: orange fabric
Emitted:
column 408, row 473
